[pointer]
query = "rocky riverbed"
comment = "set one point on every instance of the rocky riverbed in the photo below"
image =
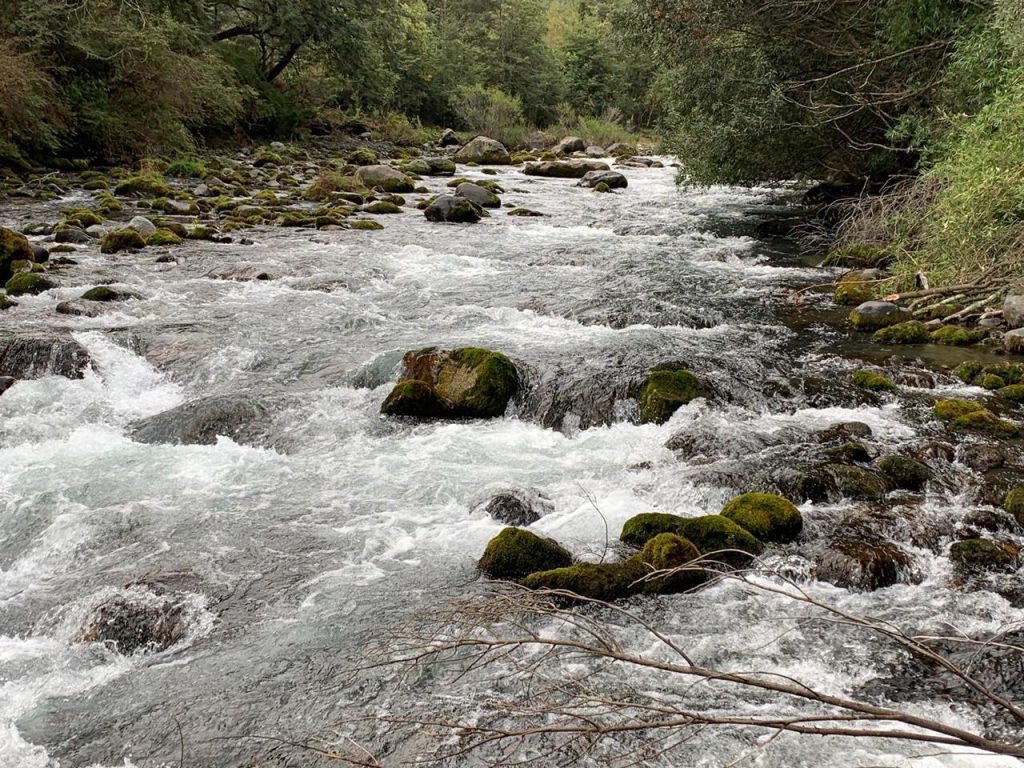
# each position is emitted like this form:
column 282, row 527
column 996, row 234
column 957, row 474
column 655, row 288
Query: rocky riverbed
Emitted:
column 207, row 517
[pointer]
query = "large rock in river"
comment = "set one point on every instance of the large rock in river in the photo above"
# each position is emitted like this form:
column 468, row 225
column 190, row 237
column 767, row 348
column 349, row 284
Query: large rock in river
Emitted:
column 201, row 422
column 36, row 355
column 13, row 247
column 565, row 169
column 570, row 144
column 484, row 151
column 611, row 179
column 467, row 383
column 477, row 194
column 515, row 553
column 454, row 209
column 385, row 177
column 873, row 315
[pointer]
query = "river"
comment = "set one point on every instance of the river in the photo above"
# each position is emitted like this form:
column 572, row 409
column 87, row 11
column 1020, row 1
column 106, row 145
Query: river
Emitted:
column 334, row 526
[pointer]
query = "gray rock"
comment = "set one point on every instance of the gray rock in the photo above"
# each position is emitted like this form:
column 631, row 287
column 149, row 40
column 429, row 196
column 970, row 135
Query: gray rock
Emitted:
column 477, row 194
column 244, row 271
column 72, row 235
column 568, row 145
column 385, row 177
column 484, row 151
column 453, row 209
column 6, row 382
column 179, row 208
column 613, row 179
column 1013, row 341
column 96, row 230
column 449, row 139
column 872, row 315
column 41, row 254
column 594, row 152
column 79, row 309
column 1013, row 309
column 201, row 422
column 36, row 355
column 142, row 225
column 620, row 149
column 201, row 190
column 133, row 621
column 518, row 506
column 565, row 169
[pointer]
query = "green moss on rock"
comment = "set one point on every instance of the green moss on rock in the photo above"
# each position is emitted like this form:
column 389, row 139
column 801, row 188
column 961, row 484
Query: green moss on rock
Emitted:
column 986, row 422
column 666, row 392
column 766, row 516
column 947, row 410
column 366, row 225
column 121, row 240
column 516, row 553
column 848, row 453
column 957, row 336
column 872, row 381
column 165, row 237
column 856, row 255
column 598, row 581
column 906, row 473
column 990, row 381
column 640, row 529
column 1014, row 504
column 383, row 207
column 968, row 371
column 912, row 332
column 28, row 283
column 82, row 218
column 666, row 552
column 983, row 555
column 150, row 185
column 1014, row 393
column 13, row 247
column 719, row 536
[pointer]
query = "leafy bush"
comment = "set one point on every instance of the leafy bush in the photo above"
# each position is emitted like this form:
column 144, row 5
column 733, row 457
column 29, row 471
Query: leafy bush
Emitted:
column 493, row 113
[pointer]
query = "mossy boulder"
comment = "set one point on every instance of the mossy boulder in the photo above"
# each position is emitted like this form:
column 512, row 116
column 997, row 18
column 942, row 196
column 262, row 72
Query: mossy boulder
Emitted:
column 516, row 553
column 911, row 332
column 149, row 185
column 906, row 473
column 958, row 336
column 29, row 283
column 598, row 581
column 483, row 151
column 366, row 225
column 874, row 315
column 13, row 247
column 1011, row 373
column 336, row 184
column 82, row 218
column 121, row 240
column 727, row 541
column 857, row 287
column 165, row 237
column 990, row 381
column 1014, row 504
column 640, row 529
column 667, row 391
column 1013, row 392
column 105, row 293
column 982, row 555
column 666, row 552
column 524, row 212
column 855, row 255
column 478, row 194
column 872, row 381
column 766, row 516
column 968, row 371
column 465, row 383
column 383, row 207
column 973, row 416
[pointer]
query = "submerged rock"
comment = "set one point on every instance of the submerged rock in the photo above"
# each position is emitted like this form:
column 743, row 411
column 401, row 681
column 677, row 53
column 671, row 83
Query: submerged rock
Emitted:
column 974, row 556
column 466, row 383
column 517, row 507
column 201, row 422
column 137, row 620
column 666, row 392
column 37, row 355
column 864, row 562
column 245, row 271
column 515, row 553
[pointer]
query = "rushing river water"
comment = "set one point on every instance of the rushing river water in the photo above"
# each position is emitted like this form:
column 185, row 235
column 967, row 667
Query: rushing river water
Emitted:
column 335, row 525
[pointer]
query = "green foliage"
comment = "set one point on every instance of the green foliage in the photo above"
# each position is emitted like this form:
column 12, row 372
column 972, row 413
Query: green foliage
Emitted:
column 492, row 113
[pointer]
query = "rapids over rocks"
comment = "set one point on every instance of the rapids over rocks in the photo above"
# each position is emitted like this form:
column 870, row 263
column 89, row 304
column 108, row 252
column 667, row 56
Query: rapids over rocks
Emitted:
column 221, row 470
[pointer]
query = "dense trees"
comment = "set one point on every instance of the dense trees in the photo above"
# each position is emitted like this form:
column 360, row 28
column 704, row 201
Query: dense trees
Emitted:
column 117, row 79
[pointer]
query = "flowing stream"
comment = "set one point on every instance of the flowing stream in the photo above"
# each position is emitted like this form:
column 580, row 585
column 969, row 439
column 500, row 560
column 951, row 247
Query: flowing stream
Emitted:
column 334, row 525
